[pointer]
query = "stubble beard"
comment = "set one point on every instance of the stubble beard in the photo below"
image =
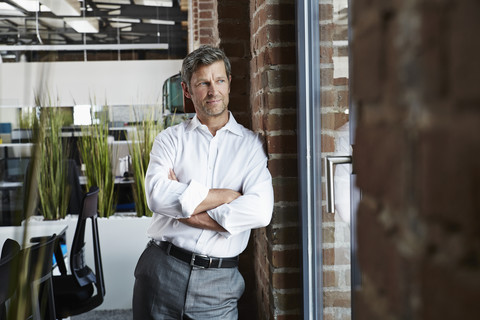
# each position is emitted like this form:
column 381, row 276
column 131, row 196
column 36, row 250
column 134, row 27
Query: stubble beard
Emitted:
column 215, row 111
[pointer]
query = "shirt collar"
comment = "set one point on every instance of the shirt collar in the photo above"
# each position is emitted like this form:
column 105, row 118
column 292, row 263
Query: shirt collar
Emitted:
column 232, row 125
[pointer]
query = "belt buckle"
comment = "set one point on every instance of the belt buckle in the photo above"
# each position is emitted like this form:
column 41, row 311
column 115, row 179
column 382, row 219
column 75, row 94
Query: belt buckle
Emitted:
column 192, row 261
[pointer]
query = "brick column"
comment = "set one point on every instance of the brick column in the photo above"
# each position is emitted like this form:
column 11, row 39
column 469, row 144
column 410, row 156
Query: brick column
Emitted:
column 234, row 31
column 273, row 94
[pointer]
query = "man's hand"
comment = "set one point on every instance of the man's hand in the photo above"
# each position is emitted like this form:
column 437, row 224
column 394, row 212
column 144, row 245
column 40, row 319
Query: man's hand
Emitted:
column 202, row 221
column 215, row 198
column 171, row 175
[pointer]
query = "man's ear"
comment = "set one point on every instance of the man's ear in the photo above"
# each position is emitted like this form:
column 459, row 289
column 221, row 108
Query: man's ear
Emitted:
column 185, row 90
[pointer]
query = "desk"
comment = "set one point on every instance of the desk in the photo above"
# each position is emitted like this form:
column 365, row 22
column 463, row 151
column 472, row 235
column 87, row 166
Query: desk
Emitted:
column 43, row 230
column 7, row 185
column 118, row 180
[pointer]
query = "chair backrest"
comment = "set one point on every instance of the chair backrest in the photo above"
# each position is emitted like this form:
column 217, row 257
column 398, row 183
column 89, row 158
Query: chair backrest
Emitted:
column 40, row 260
column 8, row 272
column 41, row 252
column 82, row 273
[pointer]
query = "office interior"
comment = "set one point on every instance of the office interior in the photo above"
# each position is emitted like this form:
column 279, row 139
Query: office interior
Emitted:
column 368, row 110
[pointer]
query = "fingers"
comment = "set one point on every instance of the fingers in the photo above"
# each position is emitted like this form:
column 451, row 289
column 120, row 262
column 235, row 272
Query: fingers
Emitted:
column 171, row 175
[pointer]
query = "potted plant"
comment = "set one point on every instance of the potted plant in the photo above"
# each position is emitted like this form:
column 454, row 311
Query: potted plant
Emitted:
column 95, row 153
column 146, row 130
column 51, row 176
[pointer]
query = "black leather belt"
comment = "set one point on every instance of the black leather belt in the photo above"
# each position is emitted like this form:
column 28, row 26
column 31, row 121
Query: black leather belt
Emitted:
column 193, row 259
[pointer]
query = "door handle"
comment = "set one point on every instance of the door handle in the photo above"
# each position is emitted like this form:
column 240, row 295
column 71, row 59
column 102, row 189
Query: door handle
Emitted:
column 330, row 161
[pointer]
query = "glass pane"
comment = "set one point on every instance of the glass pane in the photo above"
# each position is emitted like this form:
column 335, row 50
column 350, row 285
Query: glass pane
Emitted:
column 336, row 142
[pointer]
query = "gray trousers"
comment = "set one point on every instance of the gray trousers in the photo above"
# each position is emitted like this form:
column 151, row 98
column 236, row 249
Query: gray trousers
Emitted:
column 167, row 288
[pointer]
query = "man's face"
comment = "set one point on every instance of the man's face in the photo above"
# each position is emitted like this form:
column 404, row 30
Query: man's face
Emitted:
column 209, row 90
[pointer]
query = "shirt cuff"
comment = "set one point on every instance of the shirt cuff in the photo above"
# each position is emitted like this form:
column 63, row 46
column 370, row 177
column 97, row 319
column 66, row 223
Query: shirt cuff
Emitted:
column 192, row 197
column 216, row 215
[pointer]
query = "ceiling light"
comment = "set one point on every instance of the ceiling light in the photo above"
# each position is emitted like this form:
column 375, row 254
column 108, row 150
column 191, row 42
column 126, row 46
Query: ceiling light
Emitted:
column 125, row 20
column 63, row 7
column 108, row 6
column 130, row 37
column 52, row 22
column 74, row 36
column 113, row 1
column 85, row 25
column 157, row 21
column 154, row 3
column 120, row 25
column 6, row 9
column 31, row 5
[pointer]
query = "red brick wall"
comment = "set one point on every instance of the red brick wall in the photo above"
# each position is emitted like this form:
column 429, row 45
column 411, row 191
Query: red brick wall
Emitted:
column 204, row 21
column 234, row 31
column 273, row 97
column 416, row 81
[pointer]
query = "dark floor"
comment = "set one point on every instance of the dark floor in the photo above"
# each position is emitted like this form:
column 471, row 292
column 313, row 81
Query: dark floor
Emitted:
column 105, row 315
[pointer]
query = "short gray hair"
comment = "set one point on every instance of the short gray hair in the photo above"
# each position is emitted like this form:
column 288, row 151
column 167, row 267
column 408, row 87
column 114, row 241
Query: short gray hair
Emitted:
column 203, row 56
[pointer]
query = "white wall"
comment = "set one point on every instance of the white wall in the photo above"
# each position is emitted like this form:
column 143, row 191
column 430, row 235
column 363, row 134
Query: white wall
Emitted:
column 113, row 82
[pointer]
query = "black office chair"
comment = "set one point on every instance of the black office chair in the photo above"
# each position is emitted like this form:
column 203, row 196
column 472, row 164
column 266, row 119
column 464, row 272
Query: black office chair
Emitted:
column 39, row 279
column 8, row 273
column 74, row 293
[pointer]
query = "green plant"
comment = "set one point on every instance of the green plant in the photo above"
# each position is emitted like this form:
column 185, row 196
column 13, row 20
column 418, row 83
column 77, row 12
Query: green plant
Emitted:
column 26, row 118
column 51, row 176
column 96, row 156
column 145, row 132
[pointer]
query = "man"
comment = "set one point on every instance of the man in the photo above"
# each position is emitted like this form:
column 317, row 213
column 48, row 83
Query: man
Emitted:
column 208, row 185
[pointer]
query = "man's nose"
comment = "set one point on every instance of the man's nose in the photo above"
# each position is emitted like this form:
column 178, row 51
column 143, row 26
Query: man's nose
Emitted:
column 212, row 89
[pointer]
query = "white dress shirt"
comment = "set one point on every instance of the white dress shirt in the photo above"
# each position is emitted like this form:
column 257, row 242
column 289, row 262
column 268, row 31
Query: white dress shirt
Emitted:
column 234, row 159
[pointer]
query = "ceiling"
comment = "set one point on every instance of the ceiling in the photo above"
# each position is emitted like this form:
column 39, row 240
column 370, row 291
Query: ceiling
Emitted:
column 41, row 30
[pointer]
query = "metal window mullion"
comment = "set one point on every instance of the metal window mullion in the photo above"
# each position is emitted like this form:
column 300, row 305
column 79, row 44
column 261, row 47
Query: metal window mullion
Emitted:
column 309, row 147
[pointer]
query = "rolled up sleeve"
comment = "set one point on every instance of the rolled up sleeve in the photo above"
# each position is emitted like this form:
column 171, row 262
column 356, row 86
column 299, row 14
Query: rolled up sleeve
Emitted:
column 193, row 195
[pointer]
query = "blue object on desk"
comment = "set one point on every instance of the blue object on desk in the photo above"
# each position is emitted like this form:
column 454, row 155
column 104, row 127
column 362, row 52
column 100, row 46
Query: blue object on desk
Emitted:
column 64, row 248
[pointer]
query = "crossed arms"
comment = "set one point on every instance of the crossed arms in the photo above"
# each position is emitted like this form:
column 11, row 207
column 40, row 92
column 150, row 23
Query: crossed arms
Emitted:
column 215, row 197
column 240, row 197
